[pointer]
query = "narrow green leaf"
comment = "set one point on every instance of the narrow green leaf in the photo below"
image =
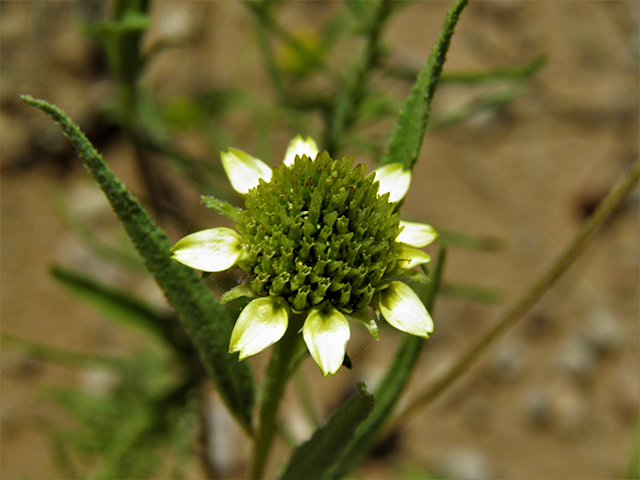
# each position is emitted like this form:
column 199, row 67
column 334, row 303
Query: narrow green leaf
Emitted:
column 125, row 256
column 473, row 293
column 517, row 73
column 489, row 102
column 314, row 457
column 136, row 431
column 633, row 468
column 48, row 353
column 203, row 317
column 499, row 74
column 123, row 308
column 222, row 207
column 467, row 241
column 391, row 387
column 410, row 128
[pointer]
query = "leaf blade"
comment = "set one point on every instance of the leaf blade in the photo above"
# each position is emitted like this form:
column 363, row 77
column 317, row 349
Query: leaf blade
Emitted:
column 392, row 385
column 202, row 316
column 411, row 126
column 319, row 452
column 123, row 308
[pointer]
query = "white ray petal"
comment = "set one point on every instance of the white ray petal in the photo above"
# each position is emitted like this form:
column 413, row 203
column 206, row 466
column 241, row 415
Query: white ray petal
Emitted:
column 394, row 179
column 403, row 309
column 260, row 324
column 244, row 171
column 411, row 257
column 212, row 250
column 326, row 333
column 416, row 234
column 300, row 147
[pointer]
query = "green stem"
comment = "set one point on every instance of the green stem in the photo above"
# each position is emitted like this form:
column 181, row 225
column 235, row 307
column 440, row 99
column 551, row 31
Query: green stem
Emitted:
column 348, row 101
column 262, row 13
column 519, row 72
column 278, row 372
column 391, row 387
column 604, row 211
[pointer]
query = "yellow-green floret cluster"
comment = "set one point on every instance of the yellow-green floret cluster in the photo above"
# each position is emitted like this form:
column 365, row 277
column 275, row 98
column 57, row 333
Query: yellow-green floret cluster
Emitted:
column 319, row 232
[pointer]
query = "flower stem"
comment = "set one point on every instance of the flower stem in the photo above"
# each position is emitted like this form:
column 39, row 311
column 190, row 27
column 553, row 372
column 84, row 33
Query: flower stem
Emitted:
column 604, row 211
column 278, row 372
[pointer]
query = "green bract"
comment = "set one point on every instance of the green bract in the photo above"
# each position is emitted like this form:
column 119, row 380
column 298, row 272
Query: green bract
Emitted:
column 317, row 238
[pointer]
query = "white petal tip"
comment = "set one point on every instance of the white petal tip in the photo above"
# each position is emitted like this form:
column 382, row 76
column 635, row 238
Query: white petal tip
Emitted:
column 299, row 146
column 394, row 179
column 404, row 310
column 416, row 234
column 212, row 250
column 244, row 171
column 326, row 333
column 261, row 324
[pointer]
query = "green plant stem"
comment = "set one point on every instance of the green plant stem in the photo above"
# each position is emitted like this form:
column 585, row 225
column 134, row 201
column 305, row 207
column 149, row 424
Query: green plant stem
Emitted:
column 278, row 372
column 475, row 78
column 391, row 387
column 604, row 211
column 348, row 101
column 407, row 136
column 262, row 13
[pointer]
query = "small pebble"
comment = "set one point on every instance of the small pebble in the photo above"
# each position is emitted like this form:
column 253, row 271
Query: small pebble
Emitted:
column 478, row 413
column 177, row 24
column 509, row 362
column 603, row 331
column 578, row 359
column 466, row 464
column 571, row 414
column 538, row 408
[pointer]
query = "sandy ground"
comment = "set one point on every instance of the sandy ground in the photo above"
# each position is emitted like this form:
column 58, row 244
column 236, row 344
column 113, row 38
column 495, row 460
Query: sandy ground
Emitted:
column 556, row 398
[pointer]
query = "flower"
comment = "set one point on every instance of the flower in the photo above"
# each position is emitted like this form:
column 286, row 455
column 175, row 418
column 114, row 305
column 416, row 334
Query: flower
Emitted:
column 318, row 239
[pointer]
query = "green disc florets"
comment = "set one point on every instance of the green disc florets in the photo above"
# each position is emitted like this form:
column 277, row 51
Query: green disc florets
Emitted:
column 318, row 231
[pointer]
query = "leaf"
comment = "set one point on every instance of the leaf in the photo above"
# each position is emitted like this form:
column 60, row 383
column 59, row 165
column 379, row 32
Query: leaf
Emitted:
column 467, row 241
column 487, row 103
column 315, row 456
column 473, row 293
column 204, row 319
column 633, row 468
column 54, row 354
column 519, row 72
column 410, row 128
column 391, row 387
column 222, row 207
column 125, row 255
column 123, row 308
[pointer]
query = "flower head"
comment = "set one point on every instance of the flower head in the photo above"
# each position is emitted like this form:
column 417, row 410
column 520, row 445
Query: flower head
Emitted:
column 317, row 238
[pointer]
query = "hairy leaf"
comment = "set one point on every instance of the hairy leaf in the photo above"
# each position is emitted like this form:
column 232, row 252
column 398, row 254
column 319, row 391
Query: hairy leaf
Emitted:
column 391, row 387
column 314, row 457
column 203, row 317
column 410, row 128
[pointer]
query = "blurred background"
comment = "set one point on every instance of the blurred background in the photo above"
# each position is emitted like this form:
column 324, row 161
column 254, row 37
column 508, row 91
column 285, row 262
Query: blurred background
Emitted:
column 511, row 167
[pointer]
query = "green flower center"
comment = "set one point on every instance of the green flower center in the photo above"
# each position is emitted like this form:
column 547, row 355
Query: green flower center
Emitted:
column 319, row 232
